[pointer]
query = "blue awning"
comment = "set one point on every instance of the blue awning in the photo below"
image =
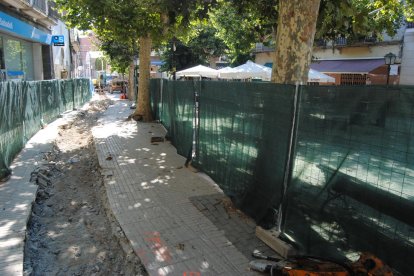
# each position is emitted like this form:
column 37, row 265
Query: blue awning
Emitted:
column 17, row 27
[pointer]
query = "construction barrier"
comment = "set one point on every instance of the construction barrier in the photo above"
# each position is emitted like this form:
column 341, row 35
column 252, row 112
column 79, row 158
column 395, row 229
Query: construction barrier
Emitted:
column 332, row 166
column 26, row 106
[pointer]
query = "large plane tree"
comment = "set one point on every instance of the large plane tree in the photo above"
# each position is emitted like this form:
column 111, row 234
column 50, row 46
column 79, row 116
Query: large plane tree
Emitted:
column 146, row 21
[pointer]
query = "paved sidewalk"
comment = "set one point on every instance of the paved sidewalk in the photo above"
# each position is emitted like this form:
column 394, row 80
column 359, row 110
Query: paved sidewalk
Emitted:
column 176, row 220
column 18, row 193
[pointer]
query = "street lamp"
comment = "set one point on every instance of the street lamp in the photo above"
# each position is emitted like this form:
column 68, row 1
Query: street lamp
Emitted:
column 389, row 60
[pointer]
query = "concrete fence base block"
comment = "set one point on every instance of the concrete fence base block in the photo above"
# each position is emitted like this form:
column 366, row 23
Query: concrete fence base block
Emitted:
column 271, row 238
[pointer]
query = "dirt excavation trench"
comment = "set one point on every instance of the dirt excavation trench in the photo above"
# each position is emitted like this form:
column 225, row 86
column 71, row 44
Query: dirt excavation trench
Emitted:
column 71, row 231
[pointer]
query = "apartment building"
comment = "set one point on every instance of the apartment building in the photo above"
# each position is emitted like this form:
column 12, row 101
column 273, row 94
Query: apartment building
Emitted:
column 360, row 62
column 26, row 27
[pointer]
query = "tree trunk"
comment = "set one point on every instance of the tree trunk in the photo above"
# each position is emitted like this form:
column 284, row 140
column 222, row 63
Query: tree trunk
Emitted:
column 131, row 86
column 294, row 40
column 143, row 110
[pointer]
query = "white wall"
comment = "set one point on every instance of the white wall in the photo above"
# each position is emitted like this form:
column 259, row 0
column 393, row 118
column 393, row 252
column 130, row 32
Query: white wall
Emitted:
column 61, row 54
column 407, row 62
column 377, row 51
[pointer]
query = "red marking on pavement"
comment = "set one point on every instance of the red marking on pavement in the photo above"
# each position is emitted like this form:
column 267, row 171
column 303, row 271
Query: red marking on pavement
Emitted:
column 191, row 273
column 158, row 246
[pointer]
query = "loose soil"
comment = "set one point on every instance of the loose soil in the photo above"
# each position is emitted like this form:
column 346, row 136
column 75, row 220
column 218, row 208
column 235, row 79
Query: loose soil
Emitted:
column 71, row 230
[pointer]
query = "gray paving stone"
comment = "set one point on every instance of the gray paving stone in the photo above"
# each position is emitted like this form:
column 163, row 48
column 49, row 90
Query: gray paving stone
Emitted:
column 173, row 217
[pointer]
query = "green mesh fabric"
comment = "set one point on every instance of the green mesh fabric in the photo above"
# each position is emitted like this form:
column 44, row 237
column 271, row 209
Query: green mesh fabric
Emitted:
column 77, row 87
column 178, row 114
column 50, row 100
column 234, row 143
column 155, row 88
column 352, row 188
column 243, row 141
column 24, row 106
column 32, row 109
column 66, row 94
column 85, row 90
column 11, row 124
column 164, row 111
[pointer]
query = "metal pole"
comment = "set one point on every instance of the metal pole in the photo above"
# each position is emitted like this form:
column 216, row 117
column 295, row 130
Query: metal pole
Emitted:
column 290, row 155
column 173, row 59
column 388, row 74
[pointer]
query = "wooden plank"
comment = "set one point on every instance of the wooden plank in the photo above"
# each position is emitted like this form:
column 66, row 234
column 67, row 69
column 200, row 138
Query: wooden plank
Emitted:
column 270, row 237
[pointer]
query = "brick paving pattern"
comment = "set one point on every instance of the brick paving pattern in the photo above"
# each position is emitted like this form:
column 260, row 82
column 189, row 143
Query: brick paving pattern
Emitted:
column 178, row 222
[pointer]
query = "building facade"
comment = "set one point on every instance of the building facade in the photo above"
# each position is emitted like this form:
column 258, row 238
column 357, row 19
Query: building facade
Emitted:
column 88, row 54
column 407, row 64
column 62, row 55
column 359, row 62
column 25, row 39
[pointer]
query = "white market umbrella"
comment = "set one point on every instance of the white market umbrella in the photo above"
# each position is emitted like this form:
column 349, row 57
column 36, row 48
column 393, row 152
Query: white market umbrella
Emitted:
column 199, row 71
column 316, row 76
column 249, row 70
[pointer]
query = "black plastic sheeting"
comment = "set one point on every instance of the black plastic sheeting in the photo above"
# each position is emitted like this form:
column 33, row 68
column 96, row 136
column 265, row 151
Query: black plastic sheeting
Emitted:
column 350, row 179
column 26, row 106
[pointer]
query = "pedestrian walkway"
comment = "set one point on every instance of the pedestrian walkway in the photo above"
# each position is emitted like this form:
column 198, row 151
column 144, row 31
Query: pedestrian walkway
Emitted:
column 18, row 193
column 178, row 221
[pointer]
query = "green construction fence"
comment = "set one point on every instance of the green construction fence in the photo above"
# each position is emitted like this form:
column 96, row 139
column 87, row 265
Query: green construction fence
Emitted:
column 331, row 166
column 26, row 106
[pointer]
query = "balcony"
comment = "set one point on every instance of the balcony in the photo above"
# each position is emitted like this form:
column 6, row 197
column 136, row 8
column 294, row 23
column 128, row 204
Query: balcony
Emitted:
column 52, row 11
column 74, row 40
column 341, row 41
column 321, row 43
column 18, row 4
column 40, row 5
column 40, row 11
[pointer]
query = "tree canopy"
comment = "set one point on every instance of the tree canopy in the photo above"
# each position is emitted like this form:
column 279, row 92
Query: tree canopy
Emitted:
column 238, row 24
column 353, row 18
column 148, row 21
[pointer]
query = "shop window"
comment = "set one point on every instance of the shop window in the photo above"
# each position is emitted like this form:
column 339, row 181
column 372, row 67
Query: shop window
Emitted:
column 18, row 59
column 353, row 79
column 13, row 59
column 27, row 60
column 13, row 55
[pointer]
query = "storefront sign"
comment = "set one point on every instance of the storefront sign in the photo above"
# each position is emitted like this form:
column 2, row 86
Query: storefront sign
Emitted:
column 22, row 29
column 58, row 40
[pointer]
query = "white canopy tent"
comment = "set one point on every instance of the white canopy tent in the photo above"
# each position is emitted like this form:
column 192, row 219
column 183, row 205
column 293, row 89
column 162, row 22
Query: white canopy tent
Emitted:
column 198, row 71
column 249, row 70
column 225, row 69
column 316, row 76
